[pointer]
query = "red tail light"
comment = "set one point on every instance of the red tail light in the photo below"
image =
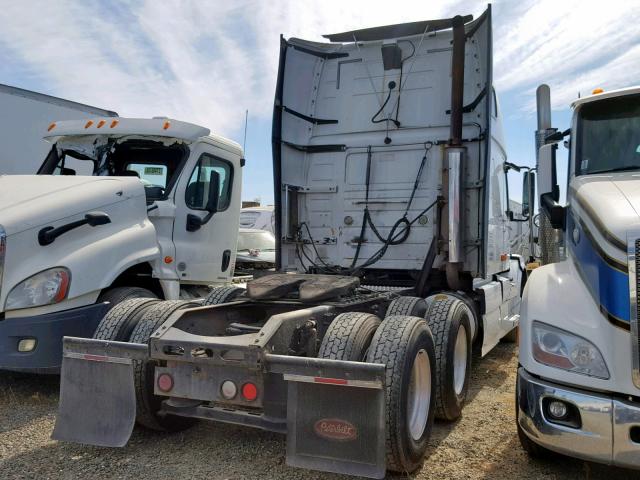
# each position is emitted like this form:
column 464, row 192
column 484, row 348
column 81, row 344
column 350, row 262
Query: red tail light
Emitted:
column 249, row 391
column 165, row 382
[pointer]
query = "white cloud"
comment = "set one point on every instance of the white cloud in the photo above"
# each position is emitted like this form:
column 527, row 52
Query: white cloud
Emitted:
column 572, row 45
column 207, row 62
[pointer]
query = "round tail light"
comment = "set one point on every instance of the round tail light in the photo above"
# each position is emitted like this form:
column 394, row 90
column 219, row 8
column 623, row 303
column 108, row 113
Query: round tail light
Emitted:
column 165, row 382
column 249, row 391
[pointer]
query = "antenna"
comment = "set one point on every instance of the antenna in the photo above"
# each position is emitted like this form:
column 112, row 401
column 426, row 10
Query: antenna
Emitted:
column 246, row 122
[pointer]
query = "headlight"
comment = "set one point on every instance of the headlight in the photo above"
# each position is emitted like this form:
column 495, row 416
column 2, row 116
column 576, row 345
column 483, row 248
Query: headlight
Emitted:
column 558, row 348
column 44, row 288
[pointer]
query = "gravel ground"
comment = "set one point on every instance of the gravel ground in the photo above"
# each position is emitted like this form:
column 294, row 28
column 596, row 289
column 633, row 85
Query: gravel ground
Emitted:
column 482, row 444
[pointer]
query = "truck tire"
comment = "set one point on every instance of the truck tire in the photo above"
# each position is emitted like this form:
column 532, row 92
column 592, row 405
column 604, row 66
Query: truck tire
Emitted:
column 475, row 312
column 349, row 336
column 448, row 319
column 122, row 318
column 147, row 403
column 412, row 306
column 405, row 346
column 219, row 295
column 119, row 294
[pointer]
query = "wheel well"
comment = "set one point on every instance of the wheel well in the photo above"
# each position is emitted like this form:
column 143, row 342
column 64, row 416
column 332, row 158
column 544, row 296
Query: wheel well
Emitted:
column 140, row 275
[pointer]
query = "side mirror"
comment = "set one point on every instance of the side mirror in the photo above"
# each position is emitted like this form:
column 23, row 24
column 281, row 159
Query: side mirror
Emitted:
column 194, row 222
column 214, row 192
column 547, row 168
column 528, row 193
column 153, row 193
column 67, row 171
column 548, row 186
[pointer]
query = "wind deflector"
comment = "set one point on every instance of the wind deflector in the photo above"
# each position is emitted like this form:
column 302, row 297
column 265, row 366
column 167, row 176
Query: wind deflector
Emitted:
column 395, row 31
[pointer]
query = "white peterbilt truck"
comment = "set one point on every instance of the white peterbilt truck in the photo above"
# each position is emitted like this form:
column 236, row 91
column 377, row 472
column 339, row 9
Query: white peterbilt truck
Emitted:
column 120, row 208
column 393, row 256
column 578, row 389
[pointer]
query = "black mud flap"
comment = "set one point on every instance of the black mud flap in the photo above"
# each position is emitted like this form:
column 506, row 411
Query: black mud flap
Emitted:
column 97, row 393
column 336, row 416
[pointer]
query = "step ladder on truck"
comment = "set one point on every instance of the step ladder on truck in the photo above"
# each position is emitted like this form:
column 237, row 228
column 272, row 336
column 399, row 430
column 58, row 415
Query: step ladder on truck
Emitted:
column 579, row 375
column 392, row 256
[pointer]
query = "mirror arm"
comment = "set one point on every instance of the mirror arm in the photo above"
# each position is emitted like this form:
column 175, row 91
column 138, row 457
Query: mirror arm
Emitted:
column 194, row 222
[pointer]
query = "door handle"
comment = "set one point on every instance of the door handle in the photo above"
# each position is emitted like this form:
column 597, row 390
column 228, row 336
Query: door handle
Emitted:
column 226, row 260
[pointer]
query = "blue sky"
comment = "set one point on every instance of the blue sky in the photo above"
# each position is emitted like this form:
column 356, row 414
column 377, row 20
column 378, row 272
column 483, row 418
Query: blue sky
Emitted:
column 209, row 61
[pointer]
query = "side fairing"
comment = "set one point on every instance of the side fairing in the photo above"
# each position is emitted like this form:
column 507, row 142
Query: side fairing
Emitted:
column 352, row 124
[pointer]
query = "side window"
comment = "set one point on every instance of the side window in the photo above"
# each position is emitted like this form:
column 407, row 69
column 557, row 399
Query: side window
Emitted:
column 197, row 191
column 149, row 174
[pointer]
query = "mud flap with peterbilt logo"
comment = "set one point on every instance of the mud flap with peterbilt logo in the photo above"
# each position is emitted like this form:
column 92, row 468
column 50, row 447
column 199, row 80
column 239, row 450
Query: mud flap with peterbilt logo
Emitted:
column 336, row 417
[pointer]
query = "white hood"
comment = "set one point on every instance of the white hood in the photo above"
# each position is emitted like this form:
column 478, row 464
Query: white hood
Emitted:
column 612, row 201
column 29, row 201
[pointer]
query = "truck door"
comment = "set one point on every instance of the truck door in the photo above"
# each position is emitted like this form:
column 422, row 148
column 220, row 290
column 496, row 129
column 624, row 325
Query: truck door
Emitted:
column 207, row 255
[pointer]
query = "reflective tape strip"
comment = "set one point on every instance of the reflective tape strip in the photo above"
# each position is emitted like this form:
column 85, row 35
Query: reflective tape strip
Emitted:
column 97, row 358
column 341, row 382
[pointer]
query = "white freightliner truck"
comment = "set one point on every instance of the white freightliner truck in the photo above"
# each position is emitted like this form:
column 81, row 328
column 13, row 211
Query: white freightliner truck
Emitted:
column 578, row 390
column 120, row 208
column 25, row 115
column 388, row 161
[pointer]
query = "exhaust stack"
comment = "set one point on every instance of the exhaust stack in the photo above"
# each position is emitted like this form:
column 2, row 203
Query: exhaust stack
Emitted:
column 548, row 237
column 455, row 152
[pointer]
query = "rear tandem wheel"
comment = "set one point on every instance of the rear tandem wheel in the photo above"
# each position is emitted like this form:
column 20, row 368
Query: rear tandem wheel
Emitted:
column 405, row 346
column 147, row 403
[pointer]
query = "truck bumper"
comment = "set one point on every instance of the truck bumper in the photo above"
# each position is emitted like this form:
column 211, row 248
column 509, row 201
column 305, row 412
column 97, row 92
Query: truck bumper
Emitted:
column 47, row 331
column 608, row 425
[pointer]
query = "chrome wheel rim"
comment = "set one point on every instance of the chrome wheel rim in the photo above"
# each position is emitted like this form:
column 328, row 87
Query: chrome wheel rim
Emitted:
column 460, row 360
column 419, row 395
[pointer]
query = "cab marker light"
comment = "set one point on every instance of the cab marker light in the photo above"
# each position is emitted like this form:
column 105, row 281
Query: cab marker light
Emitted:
column 101, row 124
column 114, row 123
column 51, row 127
column 88, row 124
column 166, row 125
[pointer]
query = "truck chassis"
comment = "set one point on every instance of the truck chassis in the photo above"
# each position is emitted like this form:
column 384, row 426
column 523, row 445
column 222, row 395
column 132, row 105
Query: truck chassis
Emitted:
column 252, row 362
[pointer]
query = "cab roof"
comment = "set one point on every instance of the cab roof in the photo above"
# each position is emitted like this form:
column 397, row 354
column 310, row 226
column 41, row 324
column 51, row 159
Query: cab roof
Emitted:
column 610, row 94
column 153, row 127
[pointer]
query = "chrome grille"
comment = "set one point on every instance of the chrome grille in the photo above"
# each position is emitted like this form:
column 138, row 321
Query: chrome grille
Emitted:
column 633, row 258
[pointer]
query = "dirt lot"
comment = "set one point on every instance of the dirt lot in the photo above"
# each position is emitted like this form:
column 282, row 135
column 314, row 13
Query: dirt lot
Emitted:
column 482, row 444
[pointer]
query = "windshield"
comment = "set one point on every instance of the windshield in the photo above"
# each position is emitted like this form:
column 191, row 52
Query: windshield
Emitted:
column 609, row 136
column 258, row 240
column 156, row 165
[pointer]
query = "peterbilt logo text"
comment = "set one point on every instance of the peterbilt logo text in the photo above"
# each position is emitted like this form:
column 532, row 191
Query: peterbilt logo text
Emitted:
column 336, row 429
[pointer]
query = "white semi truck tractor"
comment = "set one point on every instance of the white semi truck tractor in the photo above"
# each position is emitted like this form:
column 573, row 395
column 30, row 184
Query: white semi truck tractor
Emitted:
column 578, row 388
column 120, row 208
column 393, row 261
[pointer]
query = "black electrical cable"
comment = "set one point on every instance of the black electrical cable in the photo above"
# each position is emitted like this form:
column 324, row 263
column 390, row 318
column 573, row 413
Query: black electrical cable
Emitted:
column 392, row 236
column 391, row 86
column 413, row 52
